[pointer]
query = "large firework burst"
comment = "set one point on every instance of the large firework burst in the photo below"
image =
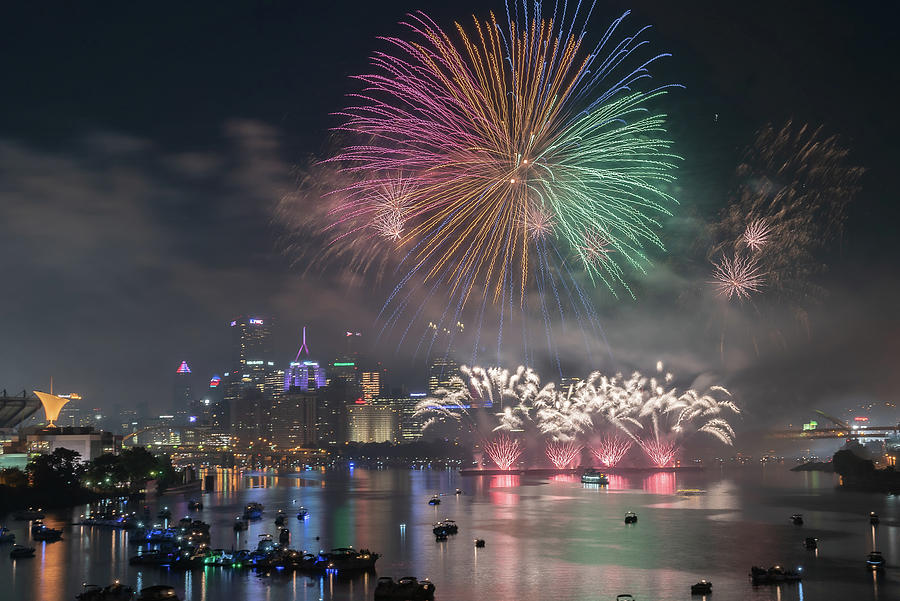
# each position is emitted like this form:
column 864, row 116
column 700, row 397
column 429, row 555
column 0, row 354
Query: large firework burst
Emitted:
column 522, row 146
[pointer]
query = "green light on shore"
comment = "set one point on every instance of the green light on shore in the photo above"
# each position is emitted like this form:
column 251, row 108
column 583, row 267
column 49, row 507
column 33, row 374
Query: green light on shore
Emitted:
column 345, row 364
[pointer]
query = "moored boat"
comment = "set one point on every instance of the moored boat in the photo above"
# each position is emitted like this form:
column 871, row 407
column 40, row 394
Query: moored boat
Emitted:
column 874, row 560
column 159, row 592
column 21, row 552
column 631, row 518
column 873, row 518
column 434, row 500
column 797, row 519
column 704, row 587
column 445, row 527
column 773, row 575
column 405, row 589
column 302, row 513
column 253, row 511
column 114, row 592
column 347, row 558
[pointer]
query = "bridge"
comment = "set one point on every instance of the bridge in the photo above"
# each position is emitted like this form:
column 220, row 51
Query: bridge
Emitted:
column 859, row 432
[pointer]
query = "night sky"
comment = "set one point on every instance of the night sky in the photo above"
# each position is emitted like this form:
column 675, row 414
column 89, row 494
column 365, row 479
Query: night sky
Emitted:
column 144, row 146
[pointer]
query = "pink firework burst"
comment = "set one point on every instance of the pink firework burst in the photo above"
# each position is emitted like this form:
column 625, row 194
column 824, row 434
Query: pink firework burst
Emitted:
column 503, row 451
column 660, row 452
column 390, row 206
column 594, row 248
column 610, row 450
column 757, row 234
column 538, row 222
column 737, row 277
column 561, row 454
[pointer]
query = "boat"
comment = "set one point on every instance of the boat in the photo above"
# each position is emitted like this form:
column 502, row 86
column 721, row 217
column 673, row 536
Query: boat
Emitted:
column 240, row 524
column 631, row 518
column 185, row 522
column 594, row 477
column 159, row 592
column 458, row 491
column 811, row 542
column 479, row 543
column 284, row 536
column 873, row 518
column 624, row 597
column 266, row 544
column 253, row 511
column 347, row 558
column 797, row 519
column 439, row 538
column 25, row 515
column 302, row 513
column 6, row 536
column 689, row 492
column 704, row 587
column 435, row 500
column 405, row 589
column 279, row 518
column 195, row 505
column 114, row 592
column 874, row 560
column 47, row 535
column 773, row 575
column 445, row 527
column 21, row 552
column 164, row 513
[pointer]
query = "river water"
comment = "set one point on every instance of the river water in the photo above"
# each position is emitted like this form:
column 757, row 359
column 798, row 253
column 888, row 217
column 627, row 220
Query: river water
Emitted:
column 547, row 538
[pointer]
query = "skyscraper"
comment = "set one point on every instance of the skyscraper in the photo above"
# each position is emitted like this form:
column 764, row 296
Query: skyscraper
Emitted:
column 303, row 373
column 253, row 382
column 182, row 396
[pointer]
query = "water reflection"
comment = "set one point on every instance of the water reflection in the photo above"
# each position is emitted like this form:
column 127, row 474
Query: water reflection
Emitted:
column 660, row 483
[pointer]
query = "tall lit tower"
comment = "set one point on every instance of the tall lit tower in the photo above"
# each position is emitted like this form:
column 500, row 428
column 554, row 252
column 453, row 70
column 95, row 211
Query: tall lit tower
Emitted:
column 304, row 373
column 182, row 396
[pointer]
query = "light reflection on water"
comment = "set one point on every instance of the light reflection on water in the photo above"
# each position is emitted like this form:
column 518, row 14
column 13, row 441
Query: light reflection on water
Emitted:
column 543, row 534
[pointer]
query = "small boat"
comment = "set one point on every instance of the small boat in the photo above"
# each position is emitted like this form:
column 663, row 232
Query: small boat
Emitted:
column 479, row 543
column 195, row 505
column 873, row 518
column 160, row 592
column 47, row 535
column 114, row 592
column 164, row 513
column 265, row 544
column 284, row 536
column 439, row 538
column 25, row 515
column 435, row 500
column 458, row 491
column 279, row 518
column 405, row 589
column 240, row 524
column 21, row 552
column 797, row 519
column 594, row 477
column 875, row 561
column 445, row 527
column 811, row 543
column 773, row 575
column 253, row 511
column 631, row 518
column 624, row 597
column 347, row 558
column 302, row 513
column 6, row 536
column 185, row 522
column 704, row 587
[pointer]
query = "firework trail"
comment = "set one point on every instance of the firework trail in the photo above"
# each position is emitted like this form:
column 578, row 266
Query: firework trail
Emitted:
column 738, row 277
column 611, row 449
column 503, row 451
column 660, row 452
column 530, row 156
column 562, row 454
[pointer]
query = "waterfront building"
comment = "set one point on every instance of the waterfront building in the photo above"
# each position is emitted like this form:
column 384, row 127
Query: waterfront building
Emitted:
column 371, row 423
column 87, row 442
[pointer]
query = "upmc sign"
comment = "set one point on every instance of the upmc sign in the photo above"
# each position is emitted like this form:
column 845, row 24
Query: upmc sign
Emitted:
column 256, row 322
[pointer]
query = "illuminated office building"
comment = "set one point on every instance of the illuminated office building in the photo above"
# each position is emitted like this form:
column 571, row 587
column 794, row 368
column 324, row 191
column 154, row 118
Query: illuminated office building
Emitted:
column 371, row 423
column 182, row 396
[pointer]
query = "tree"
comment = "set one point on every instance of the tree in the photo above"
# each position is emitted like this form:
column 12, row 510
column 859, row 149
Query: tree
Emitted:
column 60, row 470
column 139, row 464
column 13, row 477
column 106, row 472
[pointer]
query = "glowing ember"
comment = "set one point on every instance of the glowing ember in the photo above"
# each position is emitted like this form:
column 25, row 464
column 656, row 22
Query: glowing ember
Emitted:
column 561, row 454
column 611, row 449
column 503, row 451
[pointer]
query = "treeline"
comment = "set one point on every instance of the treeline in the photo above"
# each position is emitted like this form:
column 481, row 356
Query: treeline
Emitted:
column 61, row 479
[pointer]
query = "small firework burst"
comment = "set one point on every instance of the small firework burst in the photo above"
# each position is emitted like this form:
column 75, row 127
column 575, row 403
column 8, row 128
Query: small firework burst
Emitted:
column 738, row 277
column 391, row 207
column 611, row 450
column 594, row 248
column 562, row 454
column 539, row 222
column 660, row 452
column 503, row 451
column 756, row 234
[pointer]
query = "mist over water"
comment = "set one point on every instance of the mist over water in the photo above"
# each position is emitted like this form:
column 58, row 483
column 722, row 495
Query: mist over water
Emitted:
column 546, row 537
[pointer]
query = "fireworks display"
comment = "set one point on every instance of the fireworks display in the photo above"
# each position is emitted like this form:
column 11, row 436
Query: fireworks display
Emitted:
column 503, row 451
column 562, row 454
column 738, row 277
column 611, row 413
column 793, row 187
column 611, row 449
column 527, row 156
